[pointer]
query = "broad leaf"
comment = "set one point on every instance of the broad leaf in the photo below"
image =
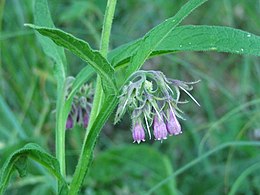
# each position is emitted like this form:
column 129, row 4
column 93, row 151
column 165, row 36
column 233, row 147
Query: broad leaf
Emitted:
column 155, row 36
column 18, row 161
column 195, row 38
column 84, row 51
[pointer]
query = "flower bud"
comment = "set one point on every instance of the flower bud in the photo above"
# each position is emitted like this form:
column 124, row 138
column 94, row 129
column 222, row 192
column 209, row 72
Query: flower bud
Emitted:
column 69, row 123
column 85, row 120
column 81, row 106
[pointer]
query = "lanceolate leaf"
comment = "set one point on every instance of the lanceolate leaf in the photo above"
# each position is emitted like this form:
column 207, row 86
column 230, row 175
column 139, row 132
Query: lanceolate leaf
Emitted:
column 82, row 50
column 42, row 17
column 18, row 160
column 154, row 37
column 195, row 38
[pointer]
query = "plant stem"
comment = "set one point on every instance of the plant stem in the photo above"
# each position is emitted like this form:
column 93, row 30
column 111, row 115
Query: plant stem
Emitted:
column 60, row 128
column 99, row 95
column 110, row 10
column 96, row 104
column 99, row 110
column 89, row 144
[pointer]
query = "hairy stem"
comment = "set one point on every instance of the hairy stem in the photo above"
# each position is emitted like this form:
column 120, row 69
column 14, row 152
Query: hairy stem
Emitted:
column 108, row 20
column 89, row 144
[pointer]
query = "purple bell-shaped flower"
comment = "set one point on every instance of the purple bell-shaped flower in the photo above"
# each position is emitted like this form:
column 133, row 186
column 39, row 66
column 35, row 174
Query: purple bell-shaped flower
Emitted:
column 173, row 125
column 159, row 128
column 138, row 133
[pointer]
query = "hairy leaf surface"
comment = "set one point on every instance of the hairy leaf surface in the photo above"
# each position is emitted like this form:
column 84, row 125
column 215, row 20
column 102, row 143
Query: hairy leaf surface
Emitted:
column 195, row 38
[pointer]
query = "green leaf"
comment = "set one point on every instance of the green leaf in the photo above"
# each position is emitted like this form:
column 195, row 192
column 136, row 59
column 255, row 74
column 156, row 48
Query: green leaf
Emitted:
column 195, row 38
column 155, row 36
column 84, row 51
column 143, row 166
column 21, row 165
column 18, row 161
column 213, row 38
column 42, row 17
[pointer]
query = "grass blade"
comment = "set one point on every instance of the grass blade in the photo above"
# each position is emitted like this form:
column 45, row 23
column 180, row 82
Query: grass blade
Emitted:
column 207, row 154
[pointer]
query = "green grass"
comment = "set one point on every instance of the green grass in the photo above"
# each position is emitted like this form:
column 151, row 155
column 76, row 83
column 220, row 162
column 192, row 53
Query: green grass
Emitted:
column 229, row 95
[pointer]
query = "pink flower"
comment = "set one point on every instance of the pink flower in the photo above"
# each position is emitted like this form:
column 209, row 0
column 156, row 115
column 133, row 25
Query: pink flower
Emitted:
column 138, row 133
column 159, row 128
column 173, row 125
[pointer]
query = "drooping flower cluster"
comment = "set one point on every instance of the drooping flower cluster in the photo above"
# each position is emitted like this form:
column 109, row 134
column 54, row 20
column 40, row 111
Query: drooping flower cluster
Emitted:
column 152, row 99
column 81, row 106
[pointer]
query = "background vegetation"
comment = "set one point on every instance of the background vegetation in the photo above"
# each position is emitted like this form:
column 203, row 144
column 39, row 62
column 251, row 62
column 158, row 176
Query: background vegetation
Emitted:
column 229, row 95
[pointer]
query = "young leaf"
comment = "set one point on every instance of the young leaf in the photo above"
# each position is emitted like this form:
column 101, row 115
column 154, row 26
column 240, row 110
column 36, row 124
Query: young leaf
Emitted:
column 18, row 160
column 195, row 38
column 155, row 36
column 84, row 51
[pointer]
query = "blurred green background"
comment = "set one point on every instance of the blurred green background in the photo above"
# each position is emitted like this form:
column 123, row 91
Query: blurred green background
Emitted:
column 229, row 95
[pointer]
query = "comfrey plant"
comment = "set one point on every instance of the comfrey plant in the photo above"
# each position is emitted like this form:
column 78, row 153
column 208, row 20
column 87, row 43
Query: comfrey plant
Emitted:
column 152, row 99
